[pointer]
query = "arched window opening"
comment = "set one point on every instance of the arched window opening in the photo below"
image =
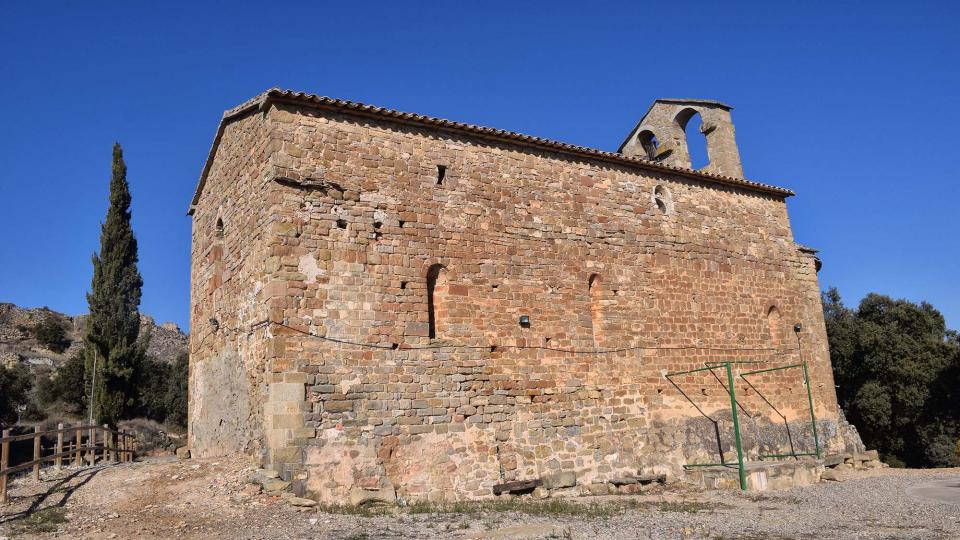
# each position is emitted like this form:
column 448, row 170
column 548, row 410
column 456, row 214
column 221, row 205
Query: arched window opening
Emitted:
column 773, row 324
column 436, row 297
column 595, row 287
column 662, row 199
column 691, row 123
column 219, row 230
column 648, row 141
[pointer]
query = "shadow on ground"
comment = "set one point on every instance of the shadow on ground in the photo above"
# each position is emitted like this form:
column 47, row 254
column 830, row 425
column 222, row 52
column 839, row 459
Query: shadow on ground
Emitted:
column 62, row 486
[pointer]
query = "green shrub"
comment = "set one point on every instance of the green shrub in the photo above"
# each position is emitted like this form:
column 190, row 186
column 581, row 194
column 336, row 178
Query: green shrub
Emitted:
column 33, row 412
column 67, row 386
column 51, row 334
column 162, row 390
column 177, row 391
column 15, row 384
column 897, row 370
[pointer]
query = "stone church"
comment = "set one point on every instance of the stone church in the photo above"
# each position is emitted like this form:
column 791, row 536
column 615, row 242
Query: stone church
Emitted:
column 385, row 304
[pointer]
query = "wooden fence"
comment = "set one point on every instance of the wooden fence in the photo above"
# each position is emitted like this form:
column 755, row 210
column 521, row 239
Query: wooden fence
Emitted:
column 113, row 445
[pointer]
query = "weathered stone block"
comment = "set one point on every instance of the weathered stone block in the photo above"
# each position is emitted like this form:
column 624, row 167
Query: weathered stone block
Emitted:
column 337, row 406
column 275, row 485
column 560, row 480
column 830, row 474
column 302, row 502
column 287, row 391
column 360, row 496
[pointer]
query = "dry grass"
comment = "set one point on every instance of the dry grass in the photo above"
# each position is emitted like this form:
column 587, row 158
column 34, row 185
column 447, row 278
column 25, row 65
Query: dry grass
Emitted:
column 41, row 521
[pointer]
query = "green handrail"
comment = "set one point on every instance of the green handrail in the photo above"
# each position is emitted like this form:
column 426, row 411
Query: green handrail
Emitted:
column 710, row 366
column 770, row 369
column 736, row 429
column 813, row 417
column 795, row 454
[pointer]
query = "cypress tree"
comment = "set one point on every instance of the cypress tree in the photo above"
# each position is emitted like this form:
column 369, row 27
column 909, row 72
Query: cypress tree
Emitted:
column 114, row 299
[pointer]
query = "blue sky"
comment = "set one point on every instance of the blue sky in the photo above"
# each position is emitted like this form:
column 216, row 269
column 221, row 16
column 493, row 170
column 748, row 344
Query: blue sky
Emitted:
column 852, row 105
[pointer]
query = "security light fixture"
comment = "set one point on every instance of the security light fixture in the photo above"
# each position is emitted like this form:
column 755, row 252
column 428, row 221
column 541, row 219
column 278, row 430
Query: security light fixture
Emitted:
column 797, row 327
column 525, row 321
column 215, row 324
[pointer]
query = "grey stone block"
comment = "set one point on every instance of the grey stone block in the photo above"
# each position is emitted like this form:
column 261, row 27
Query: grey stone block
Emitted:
column 560, row 480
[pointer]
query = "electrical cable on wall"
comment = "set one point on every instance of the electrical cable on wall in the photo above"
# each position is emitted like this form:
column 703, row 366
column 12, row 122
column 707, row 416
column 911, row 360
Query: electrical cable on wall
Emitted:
column 523, row 347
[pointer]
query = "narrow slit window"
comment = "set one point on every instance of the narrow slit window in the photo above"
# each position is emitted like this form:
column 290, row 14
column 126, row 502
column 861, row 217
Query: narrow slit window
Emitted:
column 773, row 325
column 596, row 296
column 436, row 294
column 441, row 174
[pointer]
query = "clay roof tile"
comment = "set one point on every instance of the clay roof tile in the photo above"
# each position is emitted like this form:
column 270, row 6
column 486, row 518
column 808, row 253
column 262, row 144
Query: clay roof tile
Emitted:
column 276, row 94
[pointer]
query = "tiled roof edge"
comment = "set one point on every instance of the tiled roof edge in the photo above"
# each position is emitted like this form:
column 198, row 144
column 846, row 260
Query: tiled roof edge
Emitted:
column 275, row 94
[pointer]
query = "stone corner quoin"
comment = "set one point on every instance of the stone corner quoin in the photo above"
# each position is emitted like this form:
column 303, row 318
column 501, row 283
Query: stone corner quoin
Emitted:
column 384, row 303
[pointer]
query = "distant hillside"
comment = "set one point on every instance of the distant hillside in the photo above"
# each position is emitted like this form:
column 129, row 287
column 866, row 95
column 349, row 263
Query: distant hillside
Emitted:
column 19, row 343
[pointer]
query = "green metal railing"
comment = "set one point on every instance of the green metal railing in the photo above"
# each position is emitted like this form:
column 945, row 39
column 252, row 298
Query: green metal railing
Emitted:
column 813, row 417
column 731, row 391
column 710, row 366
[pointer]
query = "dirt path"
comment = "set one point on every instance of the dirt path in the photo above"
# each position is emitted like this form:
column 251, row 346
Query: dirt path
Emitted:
column 168, row 498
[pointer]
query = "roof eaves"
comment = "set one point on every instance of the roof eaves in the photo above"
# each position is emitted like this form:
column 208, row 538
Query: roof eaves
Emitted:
column 275, row 94
column 257, row 102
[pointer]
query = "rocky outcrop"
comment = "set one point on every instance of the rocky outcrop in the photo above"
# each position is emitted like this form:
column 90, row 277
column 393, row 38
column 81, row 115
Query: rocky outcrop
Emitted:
column 19, row 344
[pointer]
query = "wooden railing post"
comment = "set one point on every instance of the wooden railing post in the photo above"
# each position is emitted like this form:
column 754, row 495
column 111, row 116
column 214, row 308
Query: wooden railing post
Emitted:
column 79, row 456
column 36, row 452
column 108, row 450
column 4, row 463
column 91, row 442
column 58, row 461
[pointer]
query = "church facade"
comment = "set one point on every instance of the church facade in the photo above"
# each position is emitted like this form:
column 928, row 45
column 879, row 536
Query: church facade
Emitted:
column 385, row 304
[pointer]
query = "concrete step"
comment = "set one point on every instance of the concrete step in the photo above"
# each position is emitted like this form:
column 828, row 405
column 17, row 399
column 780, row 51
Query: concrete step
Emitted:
column 760, row 475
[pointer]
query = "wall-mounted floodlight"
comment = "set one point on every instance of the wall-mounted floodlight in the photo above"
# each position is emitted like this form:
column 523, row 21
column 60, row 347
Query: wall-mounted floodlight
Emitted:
column 215, row 324
column 525, row 321
column 797, row 327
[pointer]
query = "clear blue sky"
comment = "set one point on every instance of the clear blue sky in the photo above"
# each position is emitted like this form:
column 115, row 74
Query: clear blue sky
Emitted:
column 853, row 106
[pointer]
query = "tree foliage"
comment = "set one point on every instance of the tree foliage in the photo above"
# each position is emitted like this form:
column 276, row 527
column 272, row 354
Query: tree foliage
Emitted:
column 68, row 386
column 177, row 391
column 114, row 299
column 896, row 366
column 162, row 391
column 51, row 334
column 15, row 385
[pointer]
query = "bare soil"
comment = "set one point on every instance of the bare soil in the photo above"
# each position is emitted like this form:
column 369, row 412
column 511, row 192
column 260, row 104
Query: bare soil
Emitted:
column 169, row 498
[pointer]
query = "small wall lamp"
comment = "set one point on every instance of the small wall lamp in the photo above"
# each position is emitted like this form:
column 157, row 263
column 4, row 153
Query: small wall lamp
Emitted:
column 797, row 327
column 215, row 324
column 525, row 321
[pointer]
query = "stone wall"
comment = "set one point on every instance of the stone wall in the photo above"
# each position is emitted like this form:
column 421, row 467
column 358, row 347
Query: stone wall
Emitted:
column 228, row 339
column 378, row 271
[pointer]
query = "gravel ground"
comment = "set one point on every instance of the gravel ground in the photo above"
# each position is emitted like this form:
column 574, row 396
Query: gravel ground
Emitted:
column 167, row 498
